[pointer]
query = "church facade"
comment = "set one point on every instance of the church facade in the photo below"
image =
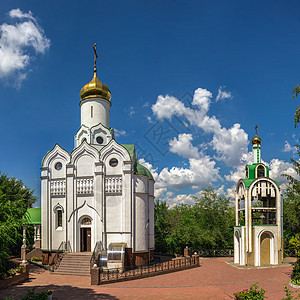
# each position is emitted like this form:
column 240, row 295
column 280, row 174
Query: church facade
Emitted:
column 258, row 234
column 98, row 193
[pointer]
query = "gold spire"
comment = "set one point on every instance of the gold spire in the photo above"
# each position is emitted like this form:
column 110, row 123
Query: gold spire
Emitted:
column 95, row 88
column 256, row 139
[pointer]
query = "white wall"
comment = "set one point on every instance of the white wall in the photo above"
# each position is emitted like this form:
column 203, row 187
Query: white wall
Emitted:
column 141, row 218
column 101, row 112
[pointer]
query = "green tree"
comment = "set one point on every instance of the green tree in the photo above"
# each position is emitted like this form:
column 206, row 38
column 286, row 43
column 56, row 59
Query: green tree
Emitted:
column 296, row 91
column 15, row 198
column 291, row 204
column 206, row 224
column 161, row 225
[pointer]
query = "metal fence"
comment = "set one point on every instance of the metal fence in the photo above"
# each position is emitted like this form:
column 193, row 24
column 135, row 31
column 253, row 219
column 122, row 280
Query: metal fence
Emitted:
column 290, row 253
column 216, row 253
column 149, row 270
column 230, row 253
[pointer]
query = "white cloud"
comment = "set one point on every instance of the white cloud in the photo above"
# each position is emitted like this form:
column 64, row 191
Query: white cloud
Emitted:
column 230, row 144
column 149, row 119
column 289, row 148
column 183, row 146
column 16, row 41
column 119, row 132
column 201, row 173
column 131, row 111
column 222, row 94
column 17, row 13
column 236, row 175
column 279, row 167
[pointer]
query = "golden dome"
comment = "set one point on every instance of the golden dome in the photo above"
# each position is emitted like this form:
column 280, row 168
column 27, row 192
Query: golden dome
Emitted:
column 95, row 88
column 256, row 139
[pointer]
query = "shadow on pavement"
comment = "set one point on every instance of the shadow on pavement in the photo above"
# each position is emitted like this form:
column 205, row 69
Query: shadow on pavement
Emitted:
column 59, row 292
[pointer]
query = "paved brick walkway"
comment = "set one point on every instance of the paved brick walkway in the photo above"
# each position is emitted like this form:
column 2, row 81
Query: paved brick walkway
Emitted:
column 215, row 279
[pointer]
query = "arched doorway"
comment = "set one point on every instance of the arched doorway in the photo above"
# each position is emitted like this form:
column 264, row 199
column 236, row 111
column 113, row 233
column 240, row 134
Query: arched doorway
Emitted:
column 266, row 248
column 85, row 234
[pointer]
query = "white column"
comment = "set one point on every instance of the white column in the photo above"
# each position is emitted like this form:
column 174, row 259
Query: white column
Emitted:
column 44, row 208
column 127, row 199
column 99, row 196
column 70, row 205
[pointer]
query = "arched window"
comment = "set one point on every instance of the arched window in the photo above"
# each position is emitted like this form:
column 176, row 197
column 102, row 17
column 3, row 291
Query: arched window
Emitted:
column 58, row 211
column 260, row 171
column 59, row 218
column 86, row 221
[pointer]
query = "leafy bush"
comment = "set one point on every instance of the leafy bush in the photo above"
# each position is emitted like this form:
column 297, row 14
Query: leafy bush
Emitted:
column 32, row 295
column 34, row 258
column 289, row 294
column 252, row 294
column 296, row 270
column 20, row 269
column 11, row 272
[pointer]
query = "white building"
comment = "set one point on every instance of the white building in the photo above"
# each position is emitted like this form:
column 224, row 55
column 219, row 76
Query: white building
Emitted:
column 258, row 234
column 99, row 192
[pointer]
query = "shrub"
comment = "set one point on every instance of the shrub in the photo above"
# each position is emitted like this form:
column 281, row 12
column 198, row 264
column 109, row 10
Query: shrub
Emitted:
column 296, row 269
column 11, row 272
column 289, row 294
column 20, row 269
column 32, row 295
column 34, row 258
column 251, row 294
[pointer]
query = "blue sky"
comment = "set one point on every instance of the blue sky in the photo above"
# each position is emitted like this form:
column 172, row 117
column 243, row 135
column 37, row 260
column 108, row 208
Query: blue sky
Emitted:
column 189, row 81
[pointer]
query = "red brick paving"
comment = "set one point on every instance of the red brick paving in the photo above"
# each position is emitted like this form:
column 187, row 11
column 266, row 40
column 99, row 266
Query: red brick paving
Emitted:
column 215, row 279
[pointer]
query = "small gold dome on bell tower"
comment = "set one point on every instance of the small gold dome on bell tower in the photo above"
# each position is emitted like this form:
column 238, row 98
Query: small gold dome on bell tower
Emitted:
column 95, row 88
column 256, row 139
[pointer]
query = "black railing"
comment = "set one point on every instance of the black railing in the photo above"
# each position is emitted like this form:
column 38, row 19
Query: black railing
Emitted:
column 290, row 253
column 97, row 249
column 63, row 248
column 149, row 270
column 57, row 257
column 216, row 253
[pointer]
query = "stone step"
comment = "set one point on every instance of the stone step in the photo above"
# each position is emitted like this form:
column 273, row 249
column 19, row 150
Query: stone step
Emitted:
column 74, row 267
column 75, row 261
column 78, row 264
column 87, row 271
column 74, row 273
column 74, row 264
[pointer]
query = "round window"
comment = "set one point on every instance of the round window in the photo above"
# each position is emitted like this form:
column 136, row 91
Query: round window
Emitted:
column 113, row 162
column 99, row 139
column 58, row 166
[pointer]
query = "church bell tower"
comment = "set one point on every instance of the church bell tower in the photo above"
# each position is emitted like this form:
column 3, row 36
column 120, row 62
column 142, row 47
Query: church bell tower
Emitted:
column 95, row 106
column 258, row 234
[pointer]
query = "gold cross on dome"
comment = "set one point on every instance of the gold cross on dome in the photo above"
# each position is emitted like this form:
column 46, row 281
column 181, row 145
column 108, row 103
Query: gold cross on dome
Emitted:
column 256, row 129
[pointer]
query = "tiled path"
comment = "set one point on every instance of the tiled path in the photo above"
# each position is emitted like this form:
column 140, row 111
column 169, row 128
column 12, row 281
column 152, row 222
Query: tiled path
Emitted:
column 215, row 279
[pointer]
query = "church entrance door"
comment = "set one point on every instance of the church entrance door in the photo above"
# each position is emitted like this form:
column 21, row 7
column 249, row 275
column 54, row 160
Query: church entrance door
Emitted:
column 85, row 239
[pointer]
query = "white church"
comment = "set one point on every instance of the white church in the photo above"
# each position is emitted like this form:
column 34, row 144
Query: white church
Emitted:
column 99, row 192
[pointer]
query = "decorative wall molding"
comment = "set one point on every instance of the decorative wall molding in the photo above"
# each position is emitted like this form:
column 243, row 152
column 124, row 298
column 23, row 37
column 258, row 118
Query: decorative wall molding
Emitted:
column 85, row 185
column 58, row 187
column 113, row 184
